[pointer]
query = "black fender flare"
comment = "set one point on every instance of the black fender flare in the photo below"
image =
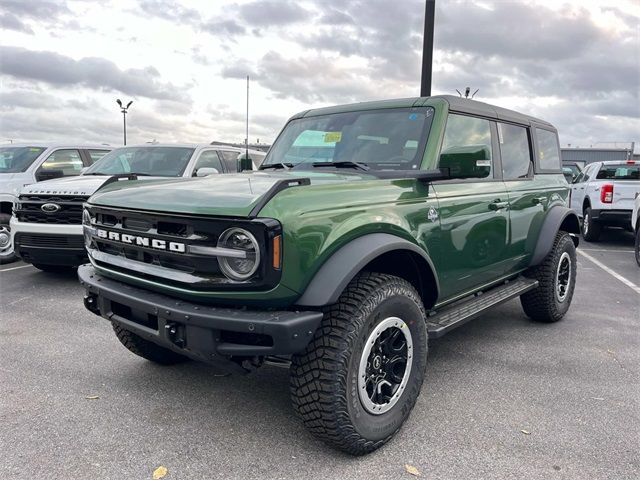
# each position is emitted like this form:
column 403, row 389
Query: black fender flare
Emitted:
column 555, row 218
column 334, row 275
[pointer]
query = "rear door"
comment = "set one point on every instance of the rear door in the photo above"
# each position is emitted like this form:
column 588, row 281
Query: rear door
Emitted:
column 527, row 197
column 472, row 249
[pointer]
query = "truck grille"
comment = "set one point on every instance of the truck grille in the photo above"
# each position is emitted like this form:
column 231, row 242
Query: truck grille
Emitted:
column 178, row 266
column 69, row 212
column 75, row 242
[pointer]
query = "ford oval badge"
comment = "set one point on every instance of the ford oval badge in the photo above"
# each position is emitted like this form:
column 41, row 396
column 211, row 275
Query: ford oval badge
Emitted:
column 50, row 207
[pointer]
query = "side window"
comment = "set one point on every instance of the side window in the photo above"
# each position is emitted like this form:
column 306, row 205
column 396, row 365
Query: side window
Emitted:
column 515, row 151
column 68, row 162
column 95, row 155
column 548, row 153
column 464, row 136
column 228, row 155
column 208, row 159
column 230, row 160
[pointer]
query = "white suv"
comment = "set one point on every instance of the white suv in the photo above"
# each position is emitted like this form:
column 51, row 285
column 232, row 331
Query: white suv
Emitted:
column 25, row 164
column 603, row 195
column 47, row 221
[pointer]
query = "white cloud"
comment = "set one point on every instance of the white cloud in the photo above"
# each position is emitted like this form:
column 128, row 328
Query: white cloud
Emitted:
column 575, row 63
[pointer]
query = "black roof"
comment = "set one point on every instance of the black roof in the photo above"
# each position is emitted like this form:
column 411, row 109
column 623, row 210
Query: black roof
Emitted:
column 456, row 104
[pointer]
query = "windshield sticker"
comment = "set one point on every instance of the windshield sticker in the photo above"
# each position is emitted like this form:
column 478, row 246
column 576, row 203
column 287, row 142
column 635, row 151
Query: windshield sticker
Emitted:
column 413, row 116
column 332, row 137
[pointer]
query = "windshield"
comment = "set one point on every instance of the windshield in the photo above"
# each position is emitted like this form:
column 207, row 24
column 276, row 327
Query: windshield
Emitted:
column 389, row 139
column 18, row 159
column 156, row 161
column 624, row 171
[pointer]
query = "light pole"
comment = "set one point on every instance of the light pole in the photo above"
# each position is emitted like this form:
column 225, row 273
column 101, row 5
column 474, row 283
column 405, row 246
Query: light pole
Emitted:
column 427, row 48
column 124, row 117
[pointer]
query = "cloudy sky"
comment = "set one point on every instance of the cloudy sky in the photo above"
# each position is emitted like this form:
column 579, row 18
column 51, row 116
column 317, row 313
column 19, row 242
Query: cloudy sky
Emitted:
column 63, row 63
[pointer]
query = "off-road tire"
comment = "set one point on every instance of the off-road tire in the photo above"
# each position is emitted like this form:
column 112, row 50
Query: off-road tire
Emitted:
column 10, row 256
column 590, row 228
column 542, row 303
column 53, row 268
column 146, row 349
column 324, row 387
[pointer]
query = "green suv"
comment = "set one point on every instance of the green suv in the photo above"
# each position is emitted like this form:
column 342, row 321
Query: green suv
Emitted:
column 368, row 230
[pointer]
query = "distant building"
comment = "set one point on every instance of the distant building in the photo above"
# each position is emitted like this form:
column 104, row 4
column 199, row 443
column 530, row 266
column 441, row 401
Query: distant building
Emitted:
column 252, row 146
column 584, row 156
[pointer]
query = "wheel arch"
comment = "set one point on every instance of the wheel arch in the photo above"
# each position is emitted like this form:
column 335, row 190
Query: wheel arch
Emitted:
column 558, row 218
column 379, row 252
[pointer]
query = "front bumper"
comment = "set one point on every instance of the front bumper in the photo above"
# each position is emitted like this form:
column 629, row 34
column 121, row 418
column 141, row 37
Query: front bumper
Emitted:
column 48, row 244
column 210, row 334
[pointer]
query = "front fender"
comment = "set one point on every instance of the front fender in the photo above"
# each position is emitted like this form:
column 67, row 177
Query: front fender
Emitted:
column 557, row 218
column 334, row 275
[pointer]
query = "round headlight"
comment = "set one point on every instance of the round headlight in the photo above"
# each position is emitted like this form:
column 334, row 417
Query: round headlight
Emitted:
column 241, row 266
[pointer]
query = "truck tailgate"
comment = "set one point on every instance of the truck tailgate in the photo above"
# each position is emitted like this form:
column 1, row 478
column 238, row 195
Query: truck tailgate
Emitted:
column 624, row 194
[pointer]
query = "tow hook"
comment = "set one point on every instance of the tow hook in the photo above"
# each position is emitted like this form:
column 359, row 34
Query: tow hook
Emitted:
column 176, row 334
column 91, row 303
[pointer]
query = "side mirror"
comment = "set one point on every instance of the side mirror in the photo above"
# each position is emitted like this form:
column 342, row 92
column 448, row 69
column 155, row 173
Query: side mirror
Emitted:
column 468, row 161
column 245, row 162
column 206, row 171
column 43, row 175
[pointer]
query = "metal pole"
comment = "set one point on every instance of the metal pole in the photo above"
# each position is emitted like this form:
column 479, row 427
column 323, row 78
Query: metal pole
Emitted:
column 246, row 139
column 124, row 121
column 427, row 48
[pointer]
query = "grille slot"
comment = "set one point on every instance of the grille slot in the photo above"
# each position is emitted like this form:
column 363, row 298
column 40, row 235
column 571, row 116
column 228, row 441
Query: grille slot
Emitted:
column 29, row 209
column 50, row 241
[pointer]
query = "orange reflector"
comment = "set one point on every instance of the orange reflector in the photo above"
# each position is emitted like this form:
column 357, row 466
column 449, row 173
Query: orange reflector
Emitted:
column 277, row 252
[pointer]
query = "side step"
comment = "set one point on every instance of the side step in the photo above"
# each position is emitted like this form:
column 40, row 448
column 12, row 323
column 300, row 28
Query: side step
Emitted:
column 461, row 312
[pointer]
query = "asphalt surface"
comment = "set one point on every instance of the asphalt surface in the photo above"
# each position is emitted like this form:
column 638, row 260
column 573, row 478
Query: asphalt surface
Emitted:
column 503, row 397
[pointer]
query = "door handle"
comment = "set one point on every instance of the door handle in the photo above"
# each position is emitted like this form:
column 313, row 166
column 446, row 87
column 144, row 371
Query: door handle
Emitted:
column 498, row 205
column 540, row 200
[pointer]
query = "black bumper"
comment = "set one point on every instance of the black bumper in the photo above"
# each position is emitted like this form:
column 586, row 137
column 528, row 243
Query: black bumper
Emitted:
column 67, row 250
column 621, row 218
column 202, row 332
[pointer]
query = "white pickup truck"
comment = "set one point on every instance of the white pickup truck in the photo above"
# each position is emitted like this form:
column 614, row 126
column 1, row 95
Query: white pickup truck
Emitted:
column 603, row 195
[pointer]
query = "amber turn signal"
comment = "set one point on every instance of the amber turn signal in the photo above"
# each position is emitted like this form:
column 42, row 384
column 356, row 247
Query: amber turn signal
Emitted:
column 277, row 252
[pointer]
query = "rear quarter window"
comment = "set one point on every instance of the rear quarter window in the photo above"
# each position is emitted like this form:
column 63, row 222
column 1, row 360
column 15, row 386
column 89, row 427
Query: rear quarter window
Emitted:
column 548, row 150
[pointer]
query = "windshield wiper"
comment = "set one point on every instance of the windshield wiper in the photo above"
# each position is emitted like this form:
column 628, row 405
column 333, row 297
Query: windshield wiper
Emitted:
column 276, row 166
column 345, row 164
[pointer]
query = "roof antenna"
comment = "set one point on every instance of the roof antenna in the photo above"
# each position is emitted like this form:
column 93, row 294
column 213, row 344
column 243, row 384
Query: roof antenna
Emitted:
column 466, row 92
column 459, row 92
column 474, row 93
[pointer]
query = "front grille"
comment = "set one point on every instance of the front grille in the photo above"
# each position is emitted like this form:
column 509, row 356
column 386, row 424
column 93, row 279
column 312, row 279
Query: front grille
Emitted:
column 50, row 241
column 29, row 209
column 180, row 267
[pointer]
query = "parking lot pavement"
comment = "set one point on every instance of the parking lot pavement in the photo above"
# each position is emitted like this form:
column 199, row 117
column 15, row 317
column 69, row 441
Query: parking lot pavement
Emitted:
column 503, row 397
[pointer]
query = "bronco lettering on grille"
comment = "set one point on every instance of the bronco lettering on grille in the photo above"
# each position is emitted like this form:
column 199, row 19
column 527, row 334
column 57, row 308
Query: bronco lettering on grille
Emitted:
column 143, row 241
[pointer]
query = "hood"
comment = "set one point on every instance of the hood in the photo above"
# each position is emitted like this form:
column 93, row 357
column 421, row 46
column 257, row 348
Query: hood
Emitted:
column 222, row 195
column 78, row 185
